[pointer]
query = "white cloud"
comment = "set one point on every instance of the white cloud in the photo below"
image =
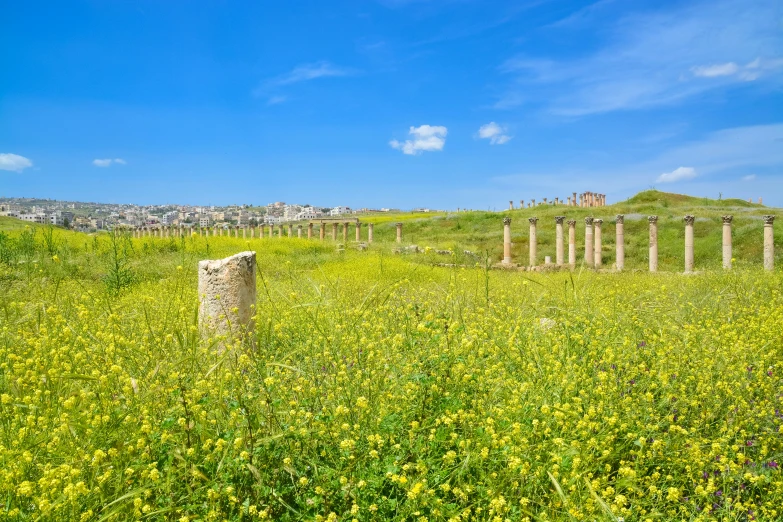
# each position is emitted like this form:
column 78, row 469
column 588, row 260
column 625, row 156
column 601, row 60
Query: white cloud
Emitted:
column 425, row 138
column 678, row 174
column 14, row 162
column 711, row 71
column 107, row 162
column 654, row 57
column 274, row 100
column 749, row 177
column 494, row 133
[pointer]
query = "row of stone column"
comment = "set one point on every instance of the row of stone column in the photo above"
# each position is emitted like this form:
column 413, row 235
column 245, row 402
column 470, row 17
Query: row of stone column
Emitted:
column 586, row 199
column 165, row 231
column 593, row 242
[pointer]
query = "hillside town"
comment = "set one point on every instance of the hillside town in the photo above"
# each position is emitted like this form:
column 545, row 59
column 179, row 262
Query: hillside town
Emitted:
column 100, row 216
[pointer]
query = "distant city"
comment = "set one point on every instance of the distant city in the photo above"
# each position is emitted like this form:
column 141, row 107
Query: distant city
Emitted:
column 98, row 216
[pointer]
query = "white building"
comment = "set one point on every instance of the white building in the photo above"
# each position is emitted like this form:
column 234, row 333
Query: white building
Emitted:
column 339, row 211
column 169, row 217
column 205, row 221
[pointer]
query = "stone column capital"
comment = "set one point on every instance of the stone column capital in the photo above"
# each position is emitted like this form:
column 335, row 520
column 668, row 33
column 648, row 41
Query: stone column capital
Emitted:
column 727, row 219
column 571, row 222
column 399, row 224
column 559, row 219
column 619, row 219
column 652, row 219
column 689, row 219
column 598, row 222
column 768, row 220
column 507, row 221
column 533, row 220
column 588, row 221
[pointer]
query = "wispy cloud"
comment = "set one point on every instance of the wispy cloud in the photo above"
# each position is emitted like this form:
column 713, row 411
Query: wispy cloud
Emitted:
column 301, row 73
column 678, row 174
column 656, row 57
column 108, row 162
column 14, row 162
column 424, row 138
column 718, row 159
column 494, row 133
column 275, row 100
column 749, row 177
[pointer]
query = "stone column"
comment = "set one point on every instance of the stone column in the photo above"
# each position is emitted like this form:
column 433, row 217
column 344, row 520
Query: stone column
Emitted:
column 559, row 240
column 727, row 241
column 322, row 230
column 506, row 241
column 280, row 230
column 769, row 248
column 244, row 232
column 521, row 203
column 653, row 220
column 597, row 242
column 589, row 247
column 532, row 202
column 573, row 199
column 511, row 205
column 309, row 231
column 370, row 227
column 619, row 234
column 227, row 293
column 399, row 232
column 290, row 230
column 760, row 200
column 689, row 243
column 358, row 232
column 334, row 231
column 298, row 230
column 533, row 241
column 345, row 233
column 572, row 242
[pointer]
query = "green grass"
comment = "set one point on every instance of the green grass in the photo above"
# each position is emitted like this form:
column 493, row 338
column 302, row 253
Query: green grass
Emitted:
column 377, row 387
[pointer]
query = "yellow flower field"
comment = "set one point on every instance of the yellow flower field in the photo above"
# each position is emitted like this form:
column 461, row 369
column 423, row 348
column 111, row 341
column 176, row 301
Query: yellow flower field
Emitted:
column 378, row 388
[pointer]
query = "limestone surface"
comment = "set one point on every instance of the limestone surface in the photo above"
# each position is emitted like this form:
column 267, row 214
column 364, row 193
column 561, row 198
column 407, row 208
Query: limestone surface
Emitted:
column 227, row 292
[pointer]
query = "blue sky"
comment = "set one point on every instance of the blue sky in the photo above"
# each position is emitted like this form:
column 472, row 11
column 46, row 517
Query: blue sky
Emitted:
column 390, row 103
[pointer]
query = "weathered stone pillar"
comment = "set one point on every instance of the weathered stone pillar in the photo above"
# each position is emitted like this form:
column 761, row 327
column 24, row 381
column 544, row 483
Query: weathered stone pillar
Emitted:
column 358, row 232
column 572, row 242
column 769, row 244
column 589, row 247
column 727, row 241
column 309, row 231
column 506, row 241
column 533, row 241
column 653, row 220
column 370, row 227
column 559, row 240
column 760, row 201
column 290, row 230
column 322, row 230
column 573, row 199
column 227, row 293
column 399, row 232
column 244, row 232
column 298, row 230
column 532, row 202
column 334, row 231
column 597, row 242
column 619, row 234
column 511, row 205
column 521, row 203
column 689, row 243
column 345, row 233
column 280, row 230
